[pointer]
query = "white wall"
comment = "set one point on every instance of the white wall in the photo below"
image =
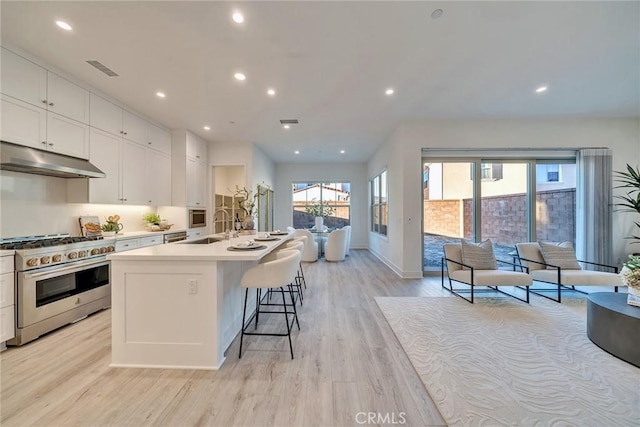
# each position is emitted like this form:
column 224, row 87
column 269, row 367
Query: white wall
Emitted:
column 404, row 245
column 35, row 205
column 355, row 173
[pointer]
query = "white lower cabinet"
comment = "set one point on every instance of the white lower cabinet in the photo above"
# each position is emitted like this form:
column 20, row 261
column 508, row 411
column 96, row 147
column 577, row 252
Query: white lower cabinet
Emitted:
column 196, row 233
column 157, row 239
column 7, row 298
column 127, row 244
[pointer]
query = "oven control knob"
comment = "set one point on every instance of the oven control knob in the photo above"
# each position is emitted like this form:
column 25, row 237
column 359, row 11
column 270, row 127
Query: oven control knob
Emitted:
column 72, row 255
column 95, row 251
column 103, row 250
column 45, row 260
column 56, row 258
column 82, row 254
column 32, row 262
column 111, row 248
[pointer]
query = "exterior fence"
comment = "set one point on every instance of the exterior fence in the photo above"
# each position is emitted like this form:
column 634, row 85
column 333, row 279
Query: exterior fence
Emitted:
column 504, row 218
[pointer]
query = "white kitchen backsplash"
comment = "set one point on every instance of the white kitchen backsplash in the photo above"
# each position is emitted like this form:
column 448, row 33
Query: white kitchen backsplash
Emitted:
column 34, row 205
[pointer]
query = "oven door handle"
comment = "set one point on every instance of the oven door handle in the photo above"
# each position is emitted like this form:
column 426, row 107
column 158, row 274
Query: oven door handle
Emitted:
column 64, row 270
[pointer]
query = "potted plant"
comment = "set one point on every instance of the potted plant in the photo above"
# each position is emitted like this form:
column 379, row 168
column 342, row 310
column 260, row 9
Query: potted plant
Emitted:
column 630, row 181
column 319, row 211
column 153, row 221
column 111, row 226
column 631, row 277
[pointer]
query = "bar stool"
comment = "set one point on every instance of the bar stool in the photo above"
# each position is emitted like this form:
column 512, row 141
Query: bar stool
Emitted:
column 297, row 245
column 305, row 243
column 277, row 273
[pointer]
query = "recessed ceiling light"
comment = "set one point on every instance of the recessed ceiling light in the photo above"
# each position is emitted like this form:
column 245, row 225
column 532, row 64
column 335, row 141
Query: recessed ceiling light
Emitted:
column 389, row 91
column 64, row 25
column 436, row 14
column 161, row 95
column 296, row 152
column 239, row 76
column 271, row 92
column 237, row 17
column 342, row 151
column 541, row 89
column 206, row 128
column 286, row 126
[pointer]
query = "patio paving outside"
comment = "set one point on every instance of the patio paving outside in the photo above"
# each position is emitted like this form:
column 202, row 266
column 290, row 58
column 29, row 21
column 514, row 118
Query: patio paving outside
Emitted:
column 433, row 251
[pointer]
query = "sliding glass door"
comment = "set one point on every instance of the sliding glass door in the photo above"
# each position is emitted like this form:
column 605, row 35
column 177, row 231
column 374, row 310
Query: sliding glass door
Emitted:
column 506, row 200
column 448, row 207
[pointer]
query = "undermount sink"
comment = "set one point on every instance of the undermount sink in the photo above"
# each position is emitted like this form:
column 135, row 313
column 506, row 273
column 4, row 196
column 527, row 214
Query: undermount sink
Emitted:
column 204, row 241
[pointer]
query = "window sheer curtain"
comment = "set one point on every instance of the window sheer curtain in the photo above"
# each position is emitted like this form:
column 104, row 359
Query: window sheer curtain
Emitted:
column 594, row 203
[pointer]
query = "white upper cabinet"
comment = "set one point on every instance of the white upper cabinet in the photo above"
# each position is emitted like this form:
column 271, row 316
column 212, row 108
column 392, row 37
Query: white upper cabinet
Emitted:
column 134, row 128
column 22, row 79
column 158, row 178
column 66, row 136
column 159, row 139
column 134, row 189
column 105, row 154
column 67, row 99
column 105, row 115
column 23, row 123
column 196, row 148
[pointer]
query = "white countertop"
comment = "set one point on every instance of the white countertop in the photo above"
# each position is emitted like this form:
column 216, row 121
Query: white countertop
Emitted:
column 142, row 233
column 197, row 252
column 7, row 252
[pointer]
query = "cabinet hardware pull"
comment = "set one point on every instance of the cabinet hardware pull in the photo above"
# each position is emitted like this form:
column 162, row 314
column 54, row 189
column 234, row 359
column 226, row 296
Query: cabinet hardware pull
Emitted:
column 51, row 104
column 51, row 144
column 44, row 142
column 44, row 101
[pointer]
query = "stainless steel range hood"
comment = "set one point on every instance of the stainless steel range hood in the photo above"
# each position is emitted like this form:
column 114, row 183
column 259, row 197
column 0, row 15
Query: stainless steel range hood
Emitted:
column 18, row 158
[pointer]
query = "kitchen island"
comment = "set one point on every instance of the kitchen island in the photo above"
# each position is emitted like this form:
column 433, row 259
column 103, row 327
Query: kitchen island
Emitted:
column 179, row 305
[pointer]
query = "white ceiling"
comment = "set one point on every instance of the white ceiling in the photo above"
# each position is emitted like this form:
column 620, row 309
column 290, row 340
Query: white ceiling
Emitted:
column 331, row 62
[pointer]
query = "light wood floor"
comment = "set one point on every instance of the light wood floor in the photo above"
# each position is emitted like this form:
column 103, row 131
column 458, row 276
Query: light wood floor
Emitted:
column 347, row 361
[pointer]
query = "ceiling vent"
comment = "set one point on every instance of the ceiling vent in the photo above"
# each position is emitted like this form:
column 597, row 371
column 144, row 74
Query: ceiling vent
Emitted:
column 289, row 121
column 109, row 72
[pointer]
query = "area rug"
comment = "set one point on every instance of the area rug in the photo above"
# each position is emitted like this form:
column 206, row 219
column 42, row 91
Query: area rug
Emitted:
column 500, row 362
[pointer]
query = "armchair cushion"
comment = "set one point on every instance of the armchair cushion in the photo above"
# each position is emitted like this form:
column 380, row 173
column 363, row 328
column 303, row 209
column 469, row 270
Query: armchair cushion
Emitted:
column 560, row 255
column 479, row 255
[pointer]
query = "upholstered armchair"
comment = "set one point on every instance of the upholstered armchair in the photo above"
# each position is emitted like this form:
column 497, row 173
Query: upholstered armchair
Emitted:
column 336, row 247
column 474, row 265
column 556, row 264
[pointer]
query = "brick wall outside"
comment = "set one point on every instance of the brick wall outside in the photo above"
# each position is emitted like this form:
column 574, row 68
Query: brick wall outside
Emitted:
column 504, row 217
column 442, row 217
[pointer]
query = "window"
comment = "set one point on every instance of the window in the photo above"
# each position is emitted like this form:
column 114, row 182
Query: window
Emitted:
column 379, row 203
column 548, row 173
column 331, row 200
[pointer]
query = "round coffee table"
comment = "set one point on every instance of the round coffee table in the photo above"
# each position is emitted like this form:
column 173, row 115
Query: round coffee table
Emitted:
column 614, row 326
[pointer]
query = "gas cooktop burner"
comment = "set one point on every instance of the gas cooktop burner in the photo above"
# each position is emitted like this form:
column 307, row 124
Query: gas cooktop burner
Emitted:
column 46, row 242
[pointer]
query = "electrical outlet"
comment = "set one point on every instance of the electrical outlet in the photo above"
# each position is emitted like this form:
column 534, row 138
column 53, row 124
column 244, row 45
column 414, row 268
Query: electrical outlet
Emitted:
column 193, row 287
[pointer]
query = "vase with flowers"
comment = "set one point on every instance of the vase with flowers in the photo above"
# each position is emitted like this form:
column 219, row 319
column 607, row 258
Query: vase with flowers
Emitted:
column 631, row 277
column 246, row 201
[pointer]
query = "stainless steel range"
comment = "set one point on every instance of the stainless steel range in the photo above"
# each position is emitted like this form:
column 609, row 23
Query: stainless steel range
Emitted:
column 59, row 280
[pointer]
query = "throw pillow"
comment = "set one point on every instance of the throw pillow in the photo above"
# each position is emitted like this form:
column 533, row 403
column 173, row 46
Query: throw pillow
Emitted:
column 478, row 255
column 559, row 254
